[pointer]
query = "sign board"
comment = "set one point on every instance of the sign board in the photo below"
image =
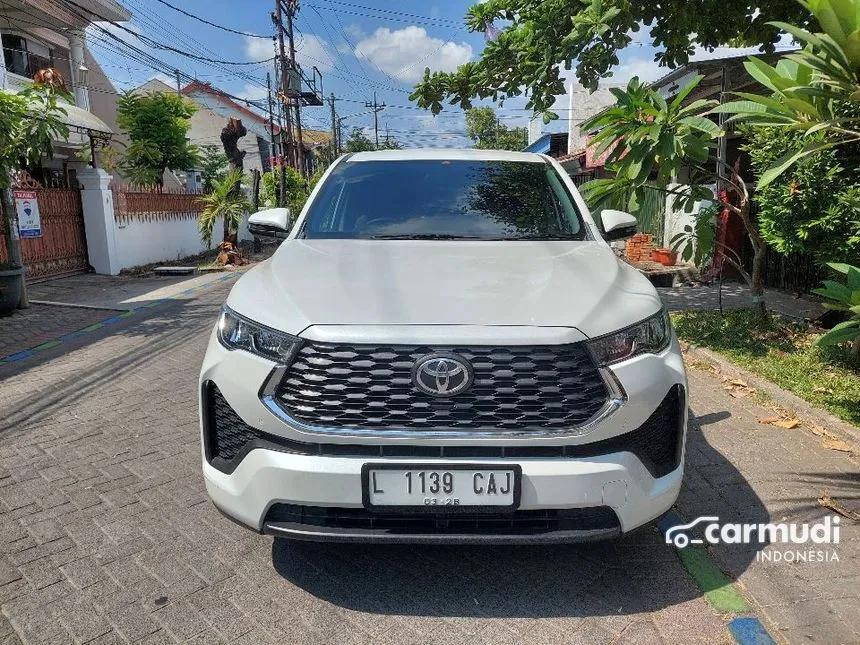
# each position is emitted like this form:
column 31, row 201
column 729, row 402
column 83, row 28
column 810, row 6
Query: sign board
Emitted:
column 27, row 208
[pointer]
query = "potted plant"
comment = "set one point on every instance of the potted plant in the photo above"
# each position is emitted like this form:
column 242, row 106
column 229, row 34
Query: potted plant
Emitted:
column 666, row 257
column 10, row 287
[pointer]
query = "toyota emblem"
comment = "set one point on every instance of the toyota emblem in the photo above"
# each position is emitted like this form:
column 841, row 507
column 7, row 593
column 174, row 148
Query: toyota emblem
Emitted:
column 442, row 374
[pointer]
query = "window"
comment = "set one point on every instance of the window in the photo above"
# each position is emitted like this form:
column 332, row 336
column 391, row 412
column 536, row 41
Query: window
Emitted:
column 444, row 199
column 25, row 57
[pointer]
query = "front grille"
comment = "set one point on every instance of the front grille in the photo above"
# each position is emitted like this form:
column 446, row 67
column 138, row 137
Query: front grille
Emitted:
column 657, row 442
column 596, row 518
column 370, row 386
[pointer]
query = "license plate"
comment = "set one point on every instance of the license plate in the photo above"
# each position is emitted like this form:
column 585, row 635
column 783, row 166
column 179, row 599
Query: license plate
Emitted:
column 444, row 488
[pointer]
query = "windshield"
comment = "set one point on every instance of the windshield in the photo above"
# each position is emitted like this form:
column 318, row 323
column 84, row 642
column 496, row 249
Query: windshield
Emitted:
column 444, row 200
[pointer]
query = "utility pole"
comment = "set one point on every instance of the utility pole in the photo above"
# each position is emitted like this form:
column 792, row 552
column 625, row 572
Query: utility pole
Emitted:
column 271, row 117
column 377, row 108
column 278, row 17
column 334, row 146
column 340, row 121
column 292, row 5
column 178, row 82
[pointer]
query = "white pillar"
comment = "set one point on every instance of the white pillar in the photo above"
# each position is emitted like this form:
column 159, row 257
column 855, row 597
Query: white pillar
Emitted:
column 77, row 63
column 572, row 128
column 99, row 222
column 2, row 68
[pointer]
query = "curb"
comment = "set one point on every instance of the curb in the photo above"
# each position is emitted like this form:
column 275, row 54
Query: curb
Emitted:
column 719, row 590
column 110, row 320
column 787, row 400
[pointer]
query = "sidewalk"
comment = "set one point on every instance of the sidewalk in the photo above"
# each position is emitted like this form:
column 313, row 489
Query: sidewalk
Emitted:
column 737, row 296
column 744, row 471
column 64, row 308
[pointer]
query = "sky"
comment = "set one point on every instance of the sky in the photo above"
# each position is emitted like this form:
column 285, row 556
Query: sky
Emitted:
column 358, row 46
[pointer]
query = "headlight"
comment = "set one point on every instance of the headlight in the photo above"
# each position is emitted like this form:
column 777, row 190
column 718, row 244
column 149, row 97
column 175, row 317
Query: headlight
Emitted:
column 236, row 332
column 650, row 336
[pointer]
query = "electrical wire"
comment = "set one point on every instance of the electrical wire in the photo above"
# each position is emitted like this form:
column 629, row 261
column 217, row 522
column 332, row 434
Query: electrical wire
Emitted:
column 212, row 24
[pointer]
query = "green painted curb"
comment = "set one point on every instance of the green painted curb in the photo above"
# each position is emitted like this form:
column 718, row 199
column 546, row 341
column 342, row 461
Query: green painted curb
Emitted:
column 717, row 587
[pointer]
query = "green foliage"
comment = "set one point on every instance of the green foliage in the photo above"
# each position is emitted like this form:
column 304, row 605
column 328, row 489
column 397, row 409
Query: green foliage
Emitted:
column 30, row 122
column 807, row 87
column 157, row 125
column 542, row 36
column 213, row 166
column 358, row 142
column 697, row 242
column 780, row 351
column 650, row 141
column 812, row 207
column 227, row 200
column 843, row 297
column 484, row 129
column 297, row 188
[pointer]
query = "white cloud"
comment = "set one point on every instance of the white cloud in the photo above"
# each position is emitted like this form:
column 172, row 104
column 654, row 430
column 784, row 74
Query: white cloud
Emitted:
column 404, row 53
column 354, row 31
column 258, row 48
column 311, row 51
column 646, row 69
column 253, row 92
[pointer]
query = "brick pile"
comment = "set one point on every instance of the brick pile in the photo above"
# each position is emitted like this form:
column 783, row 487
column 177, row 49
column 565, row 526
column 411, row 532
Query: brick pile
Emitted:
column 638, row 247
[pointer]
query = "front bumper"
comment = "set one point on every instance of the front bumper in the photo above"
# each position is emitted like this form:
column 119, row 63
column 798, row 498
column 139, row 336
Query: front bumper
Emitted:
column 268, row 478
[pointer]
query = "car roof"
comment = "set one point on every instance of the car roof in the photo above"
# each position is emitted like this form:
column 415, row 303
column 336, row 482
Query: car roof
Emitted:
column 443, row 154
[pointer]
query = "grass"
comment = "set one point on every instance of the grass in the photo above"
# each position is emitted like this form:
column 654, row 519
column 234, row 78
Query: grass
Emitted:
column 782, row 352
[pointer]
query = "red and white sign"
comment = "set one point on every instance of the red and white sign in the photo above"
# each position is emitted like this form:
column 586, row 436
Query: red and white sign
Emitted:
column 27, row 209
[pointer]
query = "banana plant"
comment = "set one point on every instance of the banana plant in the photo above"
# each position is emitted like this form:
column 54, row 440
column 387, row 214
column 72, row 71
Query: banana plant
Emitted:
column 807, row 87
column 843, row 297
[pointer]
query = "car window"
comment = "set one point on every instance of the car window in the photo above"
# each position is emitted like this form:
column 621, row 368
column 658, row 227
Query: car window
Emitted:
column 443, row 199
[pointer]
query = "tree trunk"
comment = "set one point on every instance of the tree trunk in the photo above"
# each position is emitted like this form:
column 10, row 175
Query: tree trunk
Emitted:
column 230, row 135
column 13, row 243
column 759, row 249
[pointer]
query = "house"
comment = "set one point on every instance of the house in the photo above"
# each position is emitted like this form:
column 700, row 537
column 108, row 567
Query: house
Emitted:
column 569, row 147
column 37, row 36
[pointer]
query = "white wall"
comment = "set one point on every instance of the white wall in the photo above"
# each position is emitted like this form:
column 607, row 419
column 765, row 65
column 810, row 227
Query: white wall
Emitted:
column 139, row 241
column 676, row 219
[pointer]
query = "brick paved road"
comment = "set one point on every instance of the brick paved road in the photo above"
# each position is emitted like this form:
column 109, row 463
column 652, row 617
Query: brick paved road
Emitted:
column 106, row 534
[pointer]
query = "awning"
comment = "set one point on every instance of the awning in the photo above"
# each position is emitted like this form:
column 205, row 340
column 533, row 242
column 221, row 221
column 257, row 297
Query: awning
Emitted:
column 82, row 121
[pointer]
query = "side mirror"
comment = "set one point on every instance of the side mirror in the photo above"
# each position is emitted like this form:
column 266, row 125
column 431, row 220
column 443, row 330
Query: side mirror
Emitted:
column 617, row 225
column 272, row 222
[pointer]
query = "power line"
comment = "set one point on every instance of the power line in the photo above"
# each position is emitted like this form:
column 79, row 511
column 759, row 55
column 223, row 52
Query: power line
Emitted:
column 212, row 24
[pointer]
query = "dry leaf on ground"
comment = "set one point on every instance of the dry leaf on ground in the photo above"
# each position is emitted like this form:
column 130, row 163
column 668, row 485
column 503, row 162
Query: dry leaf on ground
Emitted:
column 822, row 390
column 768, row 420
column 788, row 424
column 836, row 444
column 780, row 422
column 828, row 502
column 817, row 430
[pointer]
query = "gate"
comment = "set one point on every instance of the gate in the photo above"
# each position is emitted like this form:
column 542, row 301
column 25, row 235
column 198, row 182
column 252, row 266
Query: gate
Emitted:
column 62, row 249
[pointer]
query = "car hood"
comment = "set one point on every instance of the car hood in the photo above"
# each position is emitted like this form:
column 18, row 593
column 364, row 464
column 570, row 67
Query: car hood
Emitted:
column 409, row 282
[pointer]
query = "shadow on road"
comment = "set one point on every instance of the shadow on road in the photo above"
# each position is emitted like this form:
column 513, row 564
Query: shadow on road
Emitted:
column 637, row 573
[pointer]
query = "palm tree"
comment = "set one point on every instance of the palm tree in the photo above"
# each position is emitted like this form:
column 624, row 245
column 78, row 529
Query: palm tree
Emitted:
column 226, row 200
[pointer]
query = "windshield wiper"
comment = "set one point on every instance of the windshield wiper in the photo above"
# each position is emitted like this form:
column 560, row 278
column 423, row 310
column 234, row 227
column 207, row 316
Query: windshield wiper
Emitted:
column 424, row 236
column 536, row 238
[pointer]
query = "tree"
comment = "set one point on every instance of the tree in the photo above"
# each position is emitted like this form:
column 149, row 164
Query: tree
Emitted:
column 29, row 125
column 157, row 125
column 484, row 129
column 543, row 35
column 651, row 140
column 810, row 89
column 226, row 202
column 358, row 142
column 812, row 206
column 213, row 166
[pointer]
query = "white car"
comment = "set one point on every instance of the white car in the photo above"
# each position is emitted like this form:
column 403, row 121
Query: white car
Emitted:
column 443, row 349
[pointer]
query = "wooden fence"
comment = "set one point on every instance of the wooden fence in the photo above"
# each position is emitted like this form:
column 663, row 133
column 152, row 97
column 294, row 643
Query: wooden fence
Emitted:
column 153, row 205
